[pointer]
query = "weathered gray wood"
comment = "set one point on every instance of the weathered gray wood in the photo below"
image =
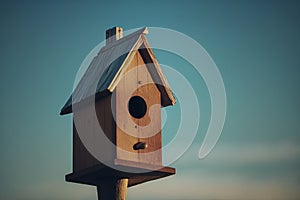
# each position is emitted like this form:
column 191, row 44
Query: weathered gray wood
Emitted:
column 82, row 159
column 114, row 189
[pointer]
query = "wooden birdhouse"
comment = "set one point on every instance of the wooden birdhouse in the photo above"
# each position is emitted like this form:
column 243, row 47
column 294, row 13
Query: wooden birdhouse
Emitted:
column 125, row 88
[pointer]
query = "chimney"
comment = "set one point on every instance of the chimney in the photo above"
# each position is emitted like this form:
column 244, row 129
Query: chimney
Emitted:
column 113, row 34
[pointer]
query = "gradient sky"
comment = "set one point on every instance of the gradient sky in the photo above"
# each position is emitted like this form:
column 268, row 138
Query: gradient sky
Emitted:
column 255, row 45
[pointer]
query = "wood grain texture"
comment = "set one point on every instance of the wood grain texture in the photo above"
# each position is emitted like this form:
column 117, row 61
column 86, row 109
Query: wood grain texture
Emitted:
column 126, row 131
column 123, row 140
column 138, row 82
column 82, row 158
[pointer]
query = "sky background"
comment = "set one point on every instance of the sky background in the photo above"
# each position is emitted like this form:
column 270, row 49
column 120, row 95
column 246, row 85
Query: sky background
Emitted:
column 255, row 45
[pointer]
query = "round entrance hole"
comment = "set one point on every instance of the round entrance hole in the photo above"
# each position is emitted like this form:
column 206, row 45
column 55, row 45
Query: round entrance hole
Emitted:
column 137, row 107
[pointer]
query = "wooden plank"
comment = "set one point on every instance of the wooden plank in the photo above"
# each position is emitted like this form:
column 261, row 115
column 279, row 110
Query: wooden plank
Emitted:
column 81, row 157
column 167, row 97
column 152, row 154
column 97, row 174
column 127, row 134
column 130, row 129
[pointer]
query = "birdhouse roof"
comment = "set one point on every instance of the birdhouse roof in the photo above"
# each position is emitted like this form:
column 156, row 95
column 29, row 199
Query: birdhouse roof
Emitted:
column 108, row 67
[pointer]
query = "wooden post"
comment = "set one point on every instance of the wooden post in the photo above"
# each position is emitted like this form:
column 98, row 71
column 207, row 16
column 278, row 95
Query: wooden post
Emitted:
column 114, row 189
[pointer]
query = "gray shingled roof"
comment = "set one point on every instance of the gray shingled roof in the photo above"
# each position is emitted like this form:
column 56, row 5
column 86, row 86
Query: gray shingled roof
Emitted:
column 104, row 68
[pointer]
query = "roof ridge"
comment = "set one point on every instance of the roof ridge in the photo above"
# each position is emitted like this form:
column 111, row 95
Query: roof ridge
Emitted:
column 107, row 67
column 123, row 39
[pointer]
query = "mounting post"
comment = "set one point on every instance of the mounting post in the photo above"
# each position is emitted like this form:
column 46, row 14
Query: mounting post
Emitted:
column 113, row 189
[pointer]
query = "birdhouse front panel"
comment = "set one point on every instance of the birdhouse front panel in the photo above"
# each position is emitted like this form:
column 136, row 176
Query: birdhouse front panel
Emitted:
column 138, row 115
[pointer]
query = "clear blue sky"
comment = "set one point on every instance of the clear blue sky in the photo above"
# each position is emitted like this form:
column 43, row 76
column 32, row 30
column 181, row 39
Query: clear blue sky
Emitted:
column 255, row 44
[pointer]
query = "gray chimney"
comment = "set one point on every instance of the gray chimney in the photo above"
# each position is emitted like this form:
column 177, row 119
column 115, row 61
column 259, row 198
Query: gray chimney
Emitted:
column 113, row 34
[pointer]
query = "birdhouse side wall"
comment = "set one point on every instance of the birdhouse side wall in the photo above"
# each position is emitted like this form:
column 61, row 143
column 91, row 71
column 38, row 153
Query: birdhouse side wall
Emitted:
column 82, row 158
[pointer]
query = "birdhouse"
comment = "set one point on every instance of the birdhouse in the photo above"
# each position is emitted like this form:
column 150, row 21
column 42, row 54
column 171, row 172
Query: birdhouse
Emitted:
column 122, row 91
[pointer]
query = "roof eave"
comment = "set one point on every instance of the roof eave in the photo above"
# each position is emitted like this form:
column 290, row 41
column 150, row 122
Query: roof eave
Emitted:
column 97, row 96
